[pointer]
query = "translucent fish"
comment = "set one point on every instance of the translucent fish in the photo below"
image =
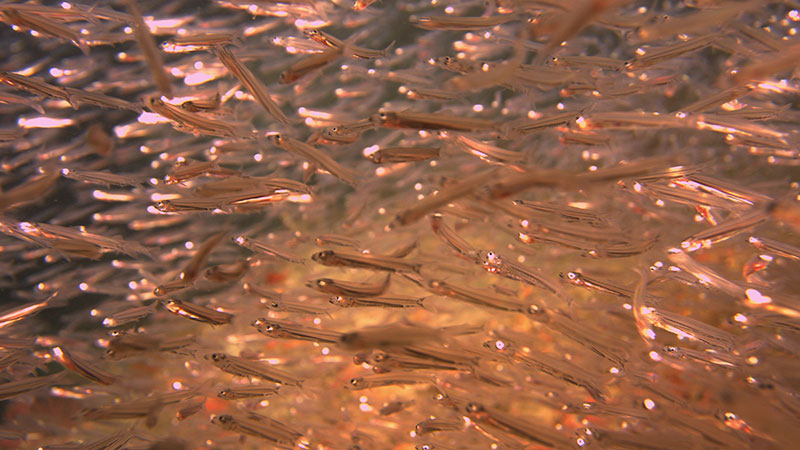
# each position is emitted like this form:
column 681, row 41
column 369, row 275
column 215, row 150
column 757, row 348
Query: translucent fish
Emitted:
column 478, row 297
column 399, row 378
column 82, row 367
column 192, row 169
column 324, row 240
column 152, row 54
column 251, row 369
column 333, row 42
column 378, row 302
column 511, row 423
column 349, row 288
column 262, row 427
column 129, row 315
column 359, row 260
column 259, row 247
column 776, row 247
column 192, row 122
column 452, row 239
column 26, row 384
column 427, row 121
column 248, row 391
column 34, row 85
column 287, row 330
column 403, row 154
column 101, row 177
column 398, row 335
column 197, row 313
column 446, row 195
column 460, row 22
column 309, row 64
column 315, row 156
column 250, row 82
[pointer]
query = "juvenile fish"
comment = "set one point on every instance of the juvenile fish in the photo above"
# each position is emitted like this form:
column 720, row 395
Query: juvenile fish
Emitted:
column 248, row 391
column 27, row 384
column 250, row 82
column 399, row 335
column 195, row 122
column 460, row 23
column 428, row 121
column 102, row 177
column 82, row 367
column 452, row 239
column 309, row 64
column 349, row 288
column 446, row 195
column 259, row 247
column 776, row 247
column 197, row 313
column 379, row 302
column 478, row 297
column 330, row 41
column 152, row 55
column 359, row 260
column 283, row 305
column 403, row 154
column 287, row 330
column 315, row 156
column 262, row 427
column 399, row 378
column 251, row 369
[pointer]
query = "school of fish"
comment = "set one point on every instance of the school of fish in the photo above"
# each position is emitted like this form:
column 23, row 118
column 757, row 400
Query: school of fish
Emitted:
column 421, row 224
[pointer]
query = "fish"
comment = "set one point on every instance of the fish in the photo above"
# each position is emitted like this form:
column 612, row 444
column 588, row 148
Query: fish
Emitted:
column 197, row 313
column 82, row 367
column 309, row 64
column 26, row 384
column 398, row 334
column 399, row 378
column 248, row 391
column 287, row 330
column 346, row 46
column 349, row 288
column 428, row 121
column 403, row 154
column 460, row 23
column 147, row 45
column 262, row 427
column 242, row 367
column 192, row 122
column 314, row 156
column 359, row 260
column 378, row 302
column 478, row 297
column 260, row 247
column 249, row 81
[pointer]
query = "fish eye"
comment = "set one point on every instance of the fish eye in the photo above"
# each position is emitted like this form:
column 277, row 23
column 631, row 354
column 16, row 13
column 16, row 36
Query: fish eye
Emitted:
column 380, row 357
column 474, row 407
column 356, row 381
column 274, row 304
